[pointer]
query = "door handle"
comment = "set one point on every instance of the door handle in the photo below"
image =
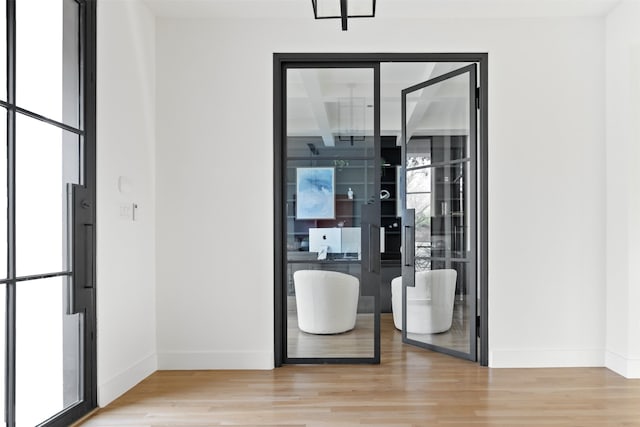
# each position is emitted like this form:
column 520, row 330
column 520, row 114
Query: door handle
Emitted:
column 405, row 250
column 81, row 239
column 409, row 247
column 374, row 249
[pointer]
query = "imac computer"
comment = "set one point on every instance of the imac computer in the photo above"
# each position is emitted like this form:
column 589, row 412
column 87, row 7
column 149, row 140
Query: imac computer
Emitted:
column 338, row 240
column 327, row 240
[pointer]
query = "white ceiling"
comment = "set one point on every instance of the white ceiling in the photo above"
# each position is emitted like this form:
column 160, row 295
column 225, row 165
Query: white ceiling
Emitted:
column 386, row 8
column 329, row 102
column 314, row 98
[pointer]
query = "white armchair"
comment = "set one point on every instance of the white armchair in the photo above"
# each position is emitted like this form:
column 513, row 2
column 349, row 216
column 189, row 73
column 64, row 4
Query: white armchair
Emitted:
column 429, row 303
column 326, row 301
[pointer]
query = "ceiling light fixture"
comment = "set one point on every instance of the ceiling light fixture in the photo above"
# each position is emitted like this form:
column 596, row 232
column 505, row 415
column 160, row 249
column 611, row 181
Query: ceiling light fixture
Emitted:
column 351, row 117
column 343, row 9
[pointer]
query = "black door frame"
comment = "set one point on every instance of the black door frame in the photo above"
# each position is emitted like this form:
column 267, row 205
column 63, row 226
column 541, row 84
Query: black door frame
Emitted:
column 84, row 296
column 408, row 237
column 280, row 62
column 368, row 274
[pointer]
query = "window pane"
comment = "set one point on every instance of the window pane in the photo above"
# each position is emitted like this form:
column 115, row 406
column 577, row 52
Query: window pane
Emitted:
column 3, row 50
column 47, row 351
column 47, row 158
column 3, row 193
column 54, row 93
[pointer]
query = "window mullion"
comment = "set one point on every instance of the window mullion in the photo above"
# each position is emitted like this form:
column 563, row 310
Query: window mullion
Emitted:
column 10, row 346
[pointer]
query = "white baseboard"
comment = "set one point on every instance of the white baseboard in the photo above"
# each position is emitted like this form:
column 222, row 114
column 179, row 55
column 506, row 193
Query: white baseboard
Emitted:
column 110, row 390
column 546, row 358
column 628, row 368
column 186, row 360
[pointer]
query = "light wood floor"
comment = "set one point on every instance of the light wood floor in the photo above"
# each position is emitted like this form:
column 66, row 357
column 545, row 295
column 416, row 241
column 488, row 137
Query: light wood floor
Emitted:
column 359, row 342
column 411, row 387
column 457, row 337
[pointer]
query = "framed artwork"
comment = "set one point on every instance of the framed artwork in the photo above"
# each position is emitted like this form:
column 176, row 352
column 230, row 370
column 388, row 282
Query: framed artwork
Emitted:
column 315, row 189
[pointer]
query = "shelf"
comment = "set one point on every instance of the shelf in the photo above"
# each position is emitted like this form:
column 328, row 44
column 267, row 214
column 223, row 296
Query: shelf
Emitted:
column 323, row 219
column 451, row 215
column 354, row 200
column 325, row 261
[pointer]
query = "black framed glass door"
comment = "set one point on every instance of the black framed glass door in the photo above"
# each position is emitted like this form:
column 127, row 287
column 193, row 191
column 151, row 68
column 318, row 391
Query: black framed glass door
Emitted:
column 468, row 257
column 47, row 250
column 331, row 223
column 439, row 276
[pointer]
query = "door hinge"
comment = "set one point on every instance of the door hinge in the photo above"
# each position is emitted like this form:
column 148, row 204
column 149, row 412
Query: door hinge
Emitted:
column 477, row 98
column 478, row 326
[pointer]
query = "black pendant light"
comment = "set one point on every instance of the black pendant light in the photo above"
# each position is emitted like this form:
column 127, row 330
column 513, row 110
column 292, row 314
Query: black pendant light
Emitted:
column 343, row 9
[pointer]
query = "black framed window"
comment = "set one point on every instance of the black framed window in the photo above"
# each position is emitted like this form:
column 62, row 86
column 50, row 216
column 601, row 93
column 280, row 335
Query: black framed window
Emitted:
column 47, row 160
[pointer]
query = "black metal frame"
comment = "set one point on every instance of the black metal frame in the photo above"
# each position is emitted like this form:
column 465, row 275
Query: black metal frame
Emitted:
column 281, row 63
column 279, row 59
column 344, row 13
column 84, row 302
column 408, row 266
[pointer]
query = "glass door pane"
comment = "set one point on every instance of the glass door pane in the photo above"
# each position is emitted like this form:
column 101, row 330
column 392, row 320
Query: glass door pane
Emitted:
column 47, row 212
column 3, row 193
column 332, row 210
column 47, row 159
column 3, row 50
column 3, row 356
column 47, row 36
column 439, row 274
column 48, row 351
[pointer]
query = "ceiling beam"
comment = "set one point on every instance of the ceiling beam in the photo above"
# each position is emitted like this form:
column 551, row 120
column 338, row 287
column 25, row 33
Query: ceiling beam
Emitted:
column 426, row 98
column 311, row 83
column 423, row 104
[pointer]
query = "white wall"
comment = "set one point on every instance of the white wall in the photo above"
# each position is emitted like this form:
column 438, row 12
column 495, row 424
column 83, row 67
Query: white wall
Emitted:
column 126, row 148
column 623, row 197
column 215, row 186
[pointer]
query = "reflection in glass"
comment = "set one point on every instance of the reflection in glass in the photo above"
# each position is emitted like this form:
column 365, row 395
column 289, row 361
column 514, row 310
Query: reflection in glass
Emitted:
column 47, row 352
column 47, row 158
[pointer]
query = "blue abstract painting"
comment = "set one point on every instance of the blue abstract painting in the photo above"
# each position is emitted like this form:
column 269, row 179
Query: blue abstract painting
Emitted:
column 315, row 193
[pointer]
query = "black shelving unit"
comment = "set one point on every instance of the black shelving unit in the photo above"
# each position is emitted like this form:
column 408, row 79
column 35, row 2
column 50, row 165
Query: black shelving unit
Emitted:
column 390, row 216
column 391, row 160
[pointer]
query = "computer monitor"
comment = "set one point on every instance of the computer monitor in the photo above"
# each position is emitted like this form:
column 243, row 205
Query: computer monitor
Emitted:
column 351, row 240
column 325, row 237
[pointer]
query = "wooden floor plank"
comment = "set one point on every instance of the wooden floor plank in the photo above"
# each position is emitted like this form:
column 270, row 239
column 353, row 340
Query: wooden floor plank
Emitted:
column 411, row 387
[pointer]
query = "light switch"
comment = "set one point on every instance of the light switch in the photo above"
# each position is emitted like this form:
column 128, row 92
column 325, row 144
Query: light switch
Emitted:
column 126, row 211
